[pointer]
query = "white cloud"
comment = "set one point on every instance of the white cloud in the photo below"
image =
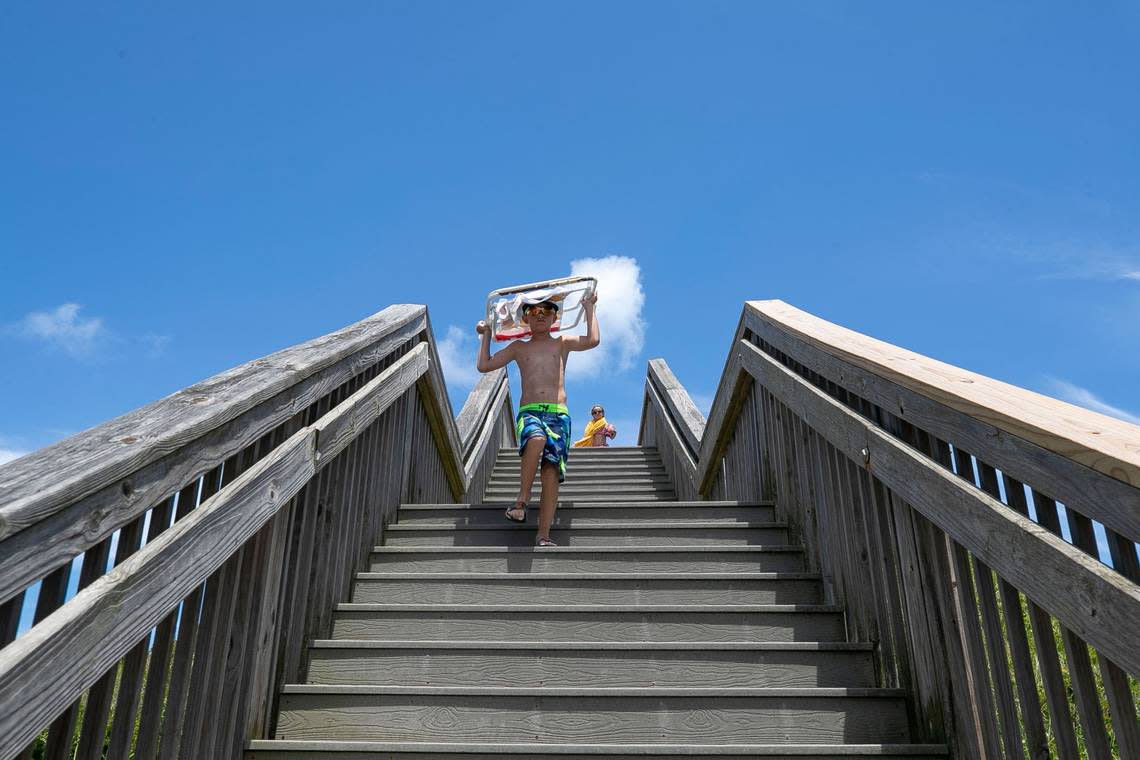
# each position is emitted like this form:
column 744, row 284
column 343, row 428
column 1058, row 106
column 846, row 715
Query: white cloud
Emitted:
column 63, row 329
column 10, row 449
column 7, row 455
column 1075, row 394
column 620, row 304
column 1131, row 275
column 457, row 352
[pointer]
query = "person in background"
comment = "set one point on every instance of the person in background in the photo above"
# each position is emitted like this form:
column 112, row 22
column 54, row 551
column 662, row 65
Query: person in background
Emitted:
column 598, row 431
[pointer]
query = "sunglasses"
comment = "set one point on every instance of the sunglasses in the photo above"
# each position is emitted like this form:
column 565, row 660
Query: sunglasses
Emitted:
column 597, row 411
column 541, row 310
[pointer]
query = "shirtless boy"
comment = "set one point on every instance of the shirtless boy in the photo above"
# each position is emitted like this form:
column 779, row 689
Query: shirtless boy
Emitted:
column 543, row 422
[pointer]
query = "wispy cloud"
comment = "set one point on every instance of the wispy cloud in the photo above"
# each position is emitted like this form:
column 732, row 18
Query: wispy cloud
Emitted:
column 63, row 329
column 10, row 450
column 621, row 301
column 1075, row 394
column 457, row 355
column 1074, row 262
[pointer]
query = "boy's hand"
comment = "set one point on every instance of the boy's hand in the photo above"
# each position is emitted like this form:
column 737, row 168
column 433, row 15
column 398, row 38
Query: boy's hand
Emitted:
column 590, row 301
column 481, row 327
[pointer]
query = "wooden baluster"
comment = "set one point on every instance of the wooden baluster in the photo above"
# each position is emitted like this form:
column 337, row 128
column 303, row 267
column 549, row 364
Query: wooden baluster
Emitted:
column 98, row 709
column 10, row 618
column 1077, row 655
column 194, row 607
column 935, row 545
column 972, row 638
column 131, row 678
column 1120, row 702
column 995, row 639
column 154, row 698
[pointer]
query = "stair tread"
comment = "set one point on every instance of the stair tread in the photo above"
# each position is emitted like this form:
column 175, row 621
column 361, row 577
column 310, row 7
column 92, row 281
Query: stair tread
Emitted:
column 554, row 646
column 702, row 609
column 839, row 750
column 550, row 550
column 382, row 576
column 633, row 525
column 695, row 692
column 593, row 505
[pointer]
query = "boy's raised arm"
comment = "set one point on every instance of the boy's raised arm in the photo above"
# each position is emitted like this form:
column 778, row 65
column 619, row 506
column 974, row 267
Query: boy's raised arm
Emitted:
column 484, row 361
column 593, row 334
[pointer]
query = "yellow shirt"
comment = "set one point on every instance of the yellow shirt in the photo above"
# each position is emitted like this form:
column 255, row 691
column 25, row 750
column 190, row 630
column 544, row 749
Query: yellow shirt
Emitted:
column 592, row 428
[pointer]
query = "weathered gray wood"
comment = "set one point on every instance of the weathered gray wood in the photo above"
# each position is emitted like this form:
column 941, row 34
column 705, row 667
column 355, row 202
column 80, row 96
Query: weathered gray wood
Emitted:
column 1019, row 550
column 1125, row 726
column 61, row 655
column 688, row 419
column 1056, row 696
column 134, row 664
column 726, row 408
column 507, row 715
column 478, row 407
column 1105, row 444
column 780, row 665
column 433, row 395
column 340, row 427
column 1109, row 500
column 42, row 483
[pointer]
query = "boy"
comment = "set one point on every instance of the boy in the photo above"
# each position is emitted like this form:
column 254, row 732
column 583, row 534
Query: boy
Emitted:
column 543, row 422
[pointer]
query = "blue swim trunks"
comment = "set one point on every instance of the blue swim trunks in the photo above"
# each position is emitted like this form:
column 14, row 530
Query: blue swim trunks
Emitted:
column 551, row 421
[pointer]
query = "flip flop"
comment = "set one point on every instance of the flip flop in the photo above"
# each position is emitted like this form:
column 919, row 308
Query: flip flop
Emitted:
column 519, row 506
column 545, row 542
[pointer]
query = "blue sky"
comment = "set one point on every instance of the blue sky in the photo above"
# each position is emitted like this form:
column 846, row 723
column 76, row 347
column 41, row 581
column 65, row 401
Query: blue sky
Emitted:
column 187, row 189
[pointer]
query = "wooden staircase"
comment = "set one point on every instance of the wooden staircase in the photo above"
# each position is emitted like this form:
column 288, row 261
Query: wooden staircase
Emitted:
column 657, row 629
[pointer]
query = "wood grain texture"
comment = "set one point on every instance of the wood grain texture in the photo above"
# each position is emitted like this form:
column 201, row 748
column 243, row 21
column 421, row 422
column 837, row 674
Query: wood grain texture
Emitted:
column 477, row 409
column 1094, row 602
column 628, row 560
column 44, row 671
column 556, row 667
column 48, row 480
column 1112, row 502
column 340, row 427
column 1105, row 444
column 652, row 719
column 617, row 590
column 689, row 420
column 563, row 625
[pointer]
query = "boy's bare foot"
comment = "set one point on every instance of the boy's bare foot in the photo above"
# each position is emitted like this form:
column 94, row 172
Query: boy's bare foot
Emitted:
column 517, row 513
column 545, row 541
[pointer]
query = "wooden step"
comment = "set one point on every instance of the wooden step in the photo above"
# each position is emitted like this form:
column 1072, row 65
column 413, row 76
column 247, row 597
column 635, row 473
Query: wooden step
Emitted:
column 621, row 589
column 575, row 497
column 589, row 622
column 599, row 664
column 650, row 715
column 601, row 468
column 579, row 479
column 510, row 490
column 641, row 559
column 588, row 513
column 641, row 533
column 349, row 750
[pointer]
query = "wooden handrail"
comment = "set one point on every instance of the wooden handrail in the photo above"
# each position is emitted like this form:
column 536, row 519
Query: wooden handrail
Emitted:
column 49, row 668
column 1096, row 603
column 118, row 453
column 1105, row 444
column 315, row 440
column 923, row 493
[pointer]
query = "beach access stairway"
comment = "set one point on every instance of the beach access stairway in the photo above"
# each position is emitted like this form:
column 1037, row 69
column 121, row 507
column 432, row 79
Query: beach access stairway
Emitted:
column 656, row 628
column 859, row 552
